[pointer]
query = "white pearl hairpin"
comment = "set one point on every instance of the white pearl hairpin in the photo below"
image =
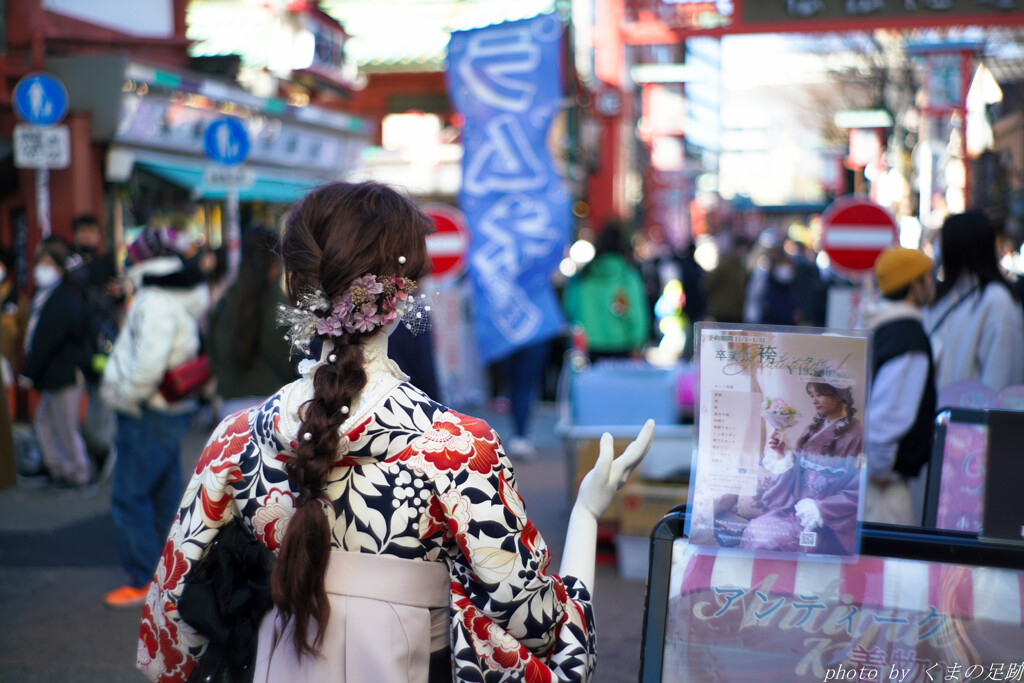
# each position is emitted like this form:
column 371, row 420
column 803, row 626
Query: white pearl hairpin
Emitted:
column 344, row 410
column 307, row 437
column 401, row 259
column 333, row 358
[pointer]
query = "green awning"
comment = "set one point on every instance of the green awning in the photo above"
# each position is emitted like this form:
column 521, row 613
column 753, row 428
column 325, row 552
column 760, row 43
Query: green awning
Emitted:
column 280, row 186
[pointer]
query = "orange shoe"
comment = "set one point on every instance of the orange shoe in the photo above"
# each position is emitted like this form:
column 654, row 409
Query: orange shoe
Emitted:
column 127, row 596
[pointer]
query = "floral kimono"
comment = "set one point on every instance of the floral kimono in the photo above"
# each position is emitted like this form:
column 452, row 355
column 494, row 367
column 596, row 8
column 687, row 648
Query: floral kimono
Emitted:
column 412, row 480
column 831, row 481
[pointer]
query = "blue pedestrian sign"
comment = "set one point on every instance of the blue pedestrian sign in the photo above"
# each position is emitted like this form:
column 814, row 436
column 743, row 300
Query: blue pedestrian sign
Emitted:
column 227, row 142
column 40, row 99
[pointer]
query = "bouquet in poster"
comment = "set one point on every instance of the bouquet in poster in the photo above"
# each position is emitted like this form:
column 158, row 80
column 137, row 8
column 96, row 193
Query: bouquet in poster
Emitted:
column 778, row 414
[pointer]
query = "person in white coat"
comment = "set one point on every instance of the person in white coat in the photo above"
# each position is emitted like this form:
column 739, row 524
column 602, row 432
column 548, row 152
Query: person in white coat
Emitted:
column 161, row 331
column 901, row 407
column 976, row 326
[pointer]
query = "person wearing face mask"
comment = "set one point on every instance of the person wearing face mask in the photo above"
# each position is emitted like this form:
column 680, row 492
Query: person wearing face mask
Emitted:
column 161, row 331
column 771, row 292
column 54, row 355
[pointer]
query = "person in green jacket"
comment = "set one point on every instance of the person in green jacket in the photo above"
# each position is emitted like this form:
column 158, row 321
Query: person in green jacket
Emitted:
column 607, row 298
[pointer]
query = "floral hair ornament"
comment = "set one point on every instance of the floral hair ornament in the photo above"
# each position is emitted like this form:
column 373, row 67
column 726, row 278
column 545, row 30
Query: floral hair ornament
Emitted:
column 370, row 302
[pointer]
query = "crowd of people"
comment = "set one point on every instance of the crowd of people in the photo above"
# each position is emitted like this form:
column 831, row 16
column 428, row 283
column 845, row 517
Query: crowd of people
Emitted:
column 934, row 322
column 104, row 334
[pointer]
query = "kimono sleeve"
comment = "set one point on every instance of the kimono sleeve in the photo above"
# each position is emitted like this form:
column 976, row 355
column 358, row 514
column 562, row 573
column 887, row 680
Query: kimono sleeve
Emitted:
column 510, row 616
column 168, row 647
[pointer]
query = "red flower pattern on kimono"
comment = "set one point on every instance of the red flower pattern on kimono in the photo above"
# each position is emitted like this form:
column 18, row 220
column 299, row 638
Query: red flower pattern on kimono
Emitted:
column 225, row 444
column 271, row 520
column 158, row 645
column 413, row 480
column 172, row 566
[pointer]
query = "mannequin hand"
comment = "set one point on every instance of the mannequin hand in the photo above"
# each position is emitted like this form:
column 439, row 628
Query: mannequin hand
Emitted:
column 808, row 513
column 610, row 473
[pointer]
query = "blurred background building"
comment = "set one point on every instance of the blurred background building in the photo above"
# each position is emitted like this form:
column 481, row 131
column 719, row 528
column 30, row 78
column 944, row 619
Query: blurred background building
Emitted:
column 687, row 119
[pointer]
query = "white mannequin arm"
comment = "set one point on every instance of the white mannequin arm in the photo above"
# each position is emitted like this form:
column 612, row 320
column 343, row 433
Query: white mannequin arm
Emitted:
column 595, row 495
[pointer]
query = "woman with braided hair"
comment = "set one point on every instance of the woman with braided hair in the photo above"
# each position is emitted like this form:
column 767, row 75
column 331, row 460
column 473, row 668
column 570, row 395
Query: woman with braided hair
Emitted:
column 403, row 550
column 814, row 490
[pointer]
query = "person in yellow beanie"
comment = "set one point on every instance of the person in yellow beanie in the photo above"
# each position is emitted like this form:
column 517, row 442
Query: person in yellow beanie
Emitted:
column 901, row 408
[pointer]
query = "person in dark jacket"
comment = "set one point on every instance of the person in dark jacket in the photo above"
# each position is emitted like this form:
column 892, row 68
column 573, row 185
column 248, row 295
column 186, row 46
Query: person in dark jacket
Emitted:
column 901, row 408
column 54, row 354
column 95, row 274
column 248, row 355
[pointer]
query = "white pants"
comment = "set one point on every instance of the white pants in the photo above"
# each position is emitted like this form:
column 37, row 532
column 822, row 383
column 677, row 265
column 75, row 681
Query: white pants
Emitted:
column 60, row 442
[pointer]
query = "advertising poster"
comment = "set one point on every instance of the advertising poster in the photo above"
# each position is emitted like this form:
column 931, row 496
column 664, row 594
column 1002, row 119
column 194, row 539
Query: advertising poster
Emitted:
column 756, row 619
column 780, row 433
column 962, row 484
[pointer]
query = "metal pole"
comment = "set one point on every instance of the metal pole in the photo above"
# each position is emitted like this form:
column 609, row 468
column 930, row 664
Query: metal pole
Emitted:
column 43, row 201
column 966, row 76
column 234, row 233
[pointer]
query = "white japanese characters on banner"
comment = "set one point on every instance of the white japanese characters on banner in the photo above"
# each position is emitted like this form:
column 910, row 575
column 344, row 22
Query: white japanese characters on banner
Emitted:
column 506, row 81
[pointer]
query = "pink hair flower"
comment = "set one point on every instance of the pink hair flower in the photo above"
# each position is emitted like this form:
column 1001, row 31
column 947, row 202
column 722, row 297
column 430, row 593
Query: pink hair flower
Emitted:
column 329, row 326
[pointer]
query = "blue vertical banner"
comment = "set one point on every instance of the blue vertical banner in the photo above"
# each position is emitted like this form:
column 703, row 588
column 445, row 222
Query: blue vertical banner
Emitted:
column 506, row 81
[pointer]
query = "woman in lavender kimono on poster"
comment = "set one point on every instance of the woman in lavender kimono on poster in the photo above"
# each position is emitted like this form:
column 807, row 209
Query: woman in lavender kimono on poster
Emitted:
column 814, row 486
column 403, row 549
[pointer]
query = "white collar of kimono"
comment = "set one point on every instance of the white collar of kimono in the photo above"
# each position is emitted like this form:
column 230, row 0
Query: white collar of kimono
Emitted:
column 382, row 376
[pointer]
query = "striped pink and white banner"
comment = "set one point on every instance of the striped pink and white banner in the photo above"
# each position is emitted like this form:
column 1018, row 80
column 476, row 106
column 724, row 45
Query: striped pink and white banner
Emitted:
column 980, row 593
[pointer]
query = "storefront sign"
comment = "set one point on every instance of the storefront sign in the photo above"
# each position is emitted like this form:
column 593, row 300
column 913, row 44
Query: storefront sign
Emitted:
column 322, row 51
column 814, row 621
column 878, row 10
column 157, row 122
column 655, row 21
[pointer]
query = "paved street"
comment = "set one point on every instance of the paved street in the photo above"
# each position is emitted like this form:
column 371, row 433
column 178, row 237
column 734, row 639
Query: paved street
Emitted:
column 58, row 557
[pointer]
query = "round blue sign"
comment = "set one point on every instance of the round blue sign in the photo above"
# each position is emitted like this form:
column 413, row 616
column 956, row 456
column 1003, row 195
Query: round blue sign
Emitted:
column 227, row 142
column 40, row 99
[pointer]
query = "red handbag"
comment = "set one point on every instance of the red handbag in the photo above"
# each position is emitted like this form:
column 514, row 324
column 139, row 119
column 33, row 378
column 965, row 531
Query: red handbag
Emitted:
column 185, row 379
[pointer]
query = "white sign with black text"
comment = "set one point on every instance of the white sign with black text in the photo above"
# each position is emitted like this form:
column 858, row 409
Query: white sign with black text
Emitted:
column 41, row 146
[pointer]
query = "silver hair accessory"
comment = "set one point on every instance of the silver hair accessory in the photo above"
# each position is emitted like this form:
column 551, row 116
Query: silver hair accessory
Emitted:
column 344, row 410
column 401, row 259
column 333, row 358
column 307, row 437
column 301, row 320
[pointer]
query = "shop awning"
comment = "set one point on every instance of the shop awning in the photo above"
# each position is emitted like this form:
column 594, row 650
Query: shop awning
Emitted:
column 271, row 185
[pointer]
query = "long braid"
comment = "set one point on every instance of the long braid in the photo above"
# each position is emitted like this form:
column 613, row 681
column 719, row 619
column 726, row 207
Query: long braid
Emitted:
column 842, row 427
column 811, row 430
column 304, row 554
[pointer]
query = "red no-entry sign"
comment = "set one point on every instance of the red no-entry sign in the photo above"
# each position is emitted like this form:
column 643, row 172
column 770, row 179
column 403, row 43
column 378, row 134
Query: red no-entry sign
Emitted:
column 855, row 231
column 448, row 246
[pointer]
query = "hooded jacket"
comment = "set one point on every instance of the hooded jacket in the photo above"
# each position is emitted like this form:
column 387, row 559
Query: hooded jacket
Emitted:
column 609, row 300
column 161, row 331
